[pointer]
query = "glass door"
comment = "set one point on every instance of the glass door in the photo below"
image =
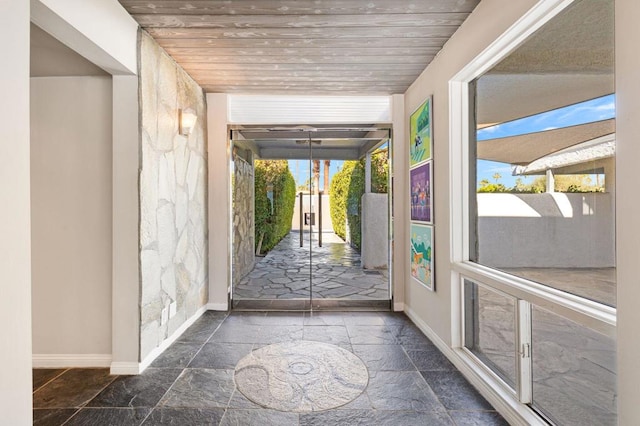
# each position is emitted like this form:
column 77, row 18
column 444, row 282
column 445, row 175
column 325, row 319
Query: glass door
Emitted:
column 349, row 232
column 310, row 229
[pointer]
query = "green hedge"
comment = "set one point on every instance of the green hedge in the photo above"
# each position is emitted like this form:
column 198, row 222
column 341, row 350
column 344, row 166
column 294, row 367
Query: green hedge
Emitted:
column 274, row 222
column 346, row 189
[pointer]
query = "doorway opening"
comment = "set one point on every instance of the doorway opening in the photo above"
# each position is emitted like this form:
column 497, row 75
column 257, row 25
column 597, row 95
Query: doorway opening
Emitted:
column 311, row 217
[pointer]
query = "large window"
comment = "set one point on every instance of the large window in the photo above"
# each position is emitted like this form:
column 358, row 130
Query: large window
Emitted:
column 545, row 157
column 538, row 264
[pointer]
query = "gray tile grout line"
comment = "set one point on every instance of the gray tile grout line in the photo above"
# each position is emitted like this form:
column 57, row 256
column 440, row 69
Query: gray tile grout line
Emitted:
column 64, row 370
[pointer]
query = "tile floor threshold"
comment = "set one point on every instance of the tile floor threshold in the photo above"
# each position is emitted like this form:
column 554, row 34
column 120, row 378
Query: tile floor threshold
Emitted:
column 192, row 382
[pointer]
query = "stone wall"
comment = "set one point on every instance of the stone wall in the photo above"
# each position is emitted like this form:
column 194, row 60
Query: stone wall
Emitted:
column 173, row 180
column 243, row 219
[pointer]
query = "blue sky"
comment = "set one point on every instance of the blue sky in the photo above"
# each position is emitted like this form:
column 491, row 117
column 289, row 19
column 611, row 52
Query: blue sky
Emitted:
column 586, row 112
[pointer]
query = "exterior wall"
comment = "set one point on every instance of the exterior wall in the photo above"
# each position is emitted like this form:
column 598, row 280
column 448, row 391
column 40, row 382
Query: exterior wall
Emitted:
column 375, row 231
column 327, row 225
column 71, row 217
column 173, row 198
column 546, row 230
column 243, row 219
column 15, row 218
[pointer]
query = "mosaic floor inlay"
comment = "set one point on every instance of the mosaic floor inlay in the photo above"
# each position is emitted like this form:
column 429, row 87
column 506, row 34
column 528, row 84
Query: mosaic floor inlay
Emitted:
column 301, row 376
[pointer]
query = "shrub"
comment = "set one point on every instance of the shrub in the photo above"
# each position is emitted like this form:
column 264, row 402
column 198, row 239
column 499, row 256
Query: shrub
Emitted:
column 273, row 216
column 347, row 187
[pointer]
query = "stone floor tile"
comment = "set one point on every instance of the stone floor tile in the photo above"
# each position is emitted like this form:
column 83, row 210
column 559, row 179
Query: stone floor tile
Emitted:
column 220, row 355
column 52, row 417
column 373, row 334
column 41, row 376
column 454, row 391
column 478, row 418
column 143, row 390
column 430, row 360
column 333, row 334
column 73, row 388
column 200, row 388
column 413, row 418
column 261, row 417
column 185, row 417
column 384, row 357
column 178, row 355
column 340, row 417
column 401, row 390
column 109, row 416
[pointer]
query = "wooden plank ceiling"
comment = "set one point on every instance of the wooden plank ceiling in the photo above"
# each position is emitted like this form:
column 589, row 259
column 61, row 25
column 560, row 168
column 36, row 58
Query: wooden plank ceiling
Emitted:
column 302, row 46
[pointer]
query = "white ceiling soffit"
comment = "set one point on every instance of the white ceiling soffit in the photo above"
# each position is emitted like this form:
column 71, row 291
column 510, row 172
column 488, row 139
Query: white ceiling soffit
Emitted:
column 272, row 110
column 569, row 60
column 524, row 149
column 589, row 154
column 302, row 46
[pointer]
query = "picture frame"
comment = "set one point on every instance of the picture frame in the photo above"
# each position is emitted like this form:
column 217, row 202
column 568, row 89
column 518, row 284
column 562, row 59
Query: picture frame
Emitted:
column 420, row 133
column 421, row 192
column 421, row 254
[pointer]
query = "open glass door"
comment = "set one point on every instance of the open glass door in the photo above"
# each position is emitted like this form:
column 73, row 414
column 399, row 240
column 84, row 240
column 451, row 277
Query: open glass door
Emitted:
column 310, row 216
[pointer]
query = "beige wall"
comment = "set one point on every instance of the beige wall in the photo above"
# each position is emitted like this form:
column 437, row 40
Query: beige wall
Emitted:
column 71, row 215
column 15, row 229
column 627, row 207
column 490, row 19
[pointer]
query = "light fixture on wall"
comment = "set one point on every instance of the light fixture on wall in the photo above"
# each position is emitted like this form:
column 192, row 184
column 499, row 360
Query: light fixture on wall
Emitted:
column 187, row 120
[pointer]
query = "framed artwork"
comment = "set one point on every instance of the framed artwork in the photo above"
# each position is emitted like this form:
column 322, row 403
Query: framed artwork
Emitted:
column 421, row 194
column 422, row 254
column 420, row 134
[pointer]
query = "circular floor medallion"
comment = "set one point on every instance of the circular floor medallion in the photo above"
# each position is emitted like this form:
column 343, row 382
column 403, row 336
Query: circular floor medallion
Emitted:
column 301, row 376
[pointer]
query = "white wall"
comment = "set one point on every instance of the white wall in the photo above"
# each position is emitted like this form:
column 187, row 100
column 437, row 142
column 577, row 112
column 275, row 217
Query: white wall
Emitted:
column 546, row 230
column 100, row 30
column 219, row 201
column 15, row 227
column 71, row 215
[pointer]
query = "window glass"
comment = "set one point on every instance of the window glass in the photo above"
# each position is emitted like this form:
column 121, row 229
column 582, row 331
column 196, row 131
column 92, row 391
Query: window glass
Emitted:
column 574, row 372
column 543, row 157
column 490, row 329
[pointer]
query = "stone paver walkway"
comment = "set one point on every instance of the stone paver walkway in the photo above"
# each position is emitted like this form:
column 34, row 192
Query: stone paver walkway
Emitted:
column 336, row 272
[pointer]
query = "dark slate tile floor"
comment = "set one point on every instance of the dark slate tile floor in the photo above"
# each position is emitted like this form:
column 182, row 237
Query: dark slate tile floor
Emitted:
column 410, row 381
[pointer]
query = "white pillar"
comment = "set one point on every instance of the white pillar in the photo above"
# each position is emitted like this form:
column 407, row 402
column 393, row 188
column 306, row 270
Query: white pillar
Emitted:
column 551, row 182
column 125, row 338
column 15, row 222
column 219, row 202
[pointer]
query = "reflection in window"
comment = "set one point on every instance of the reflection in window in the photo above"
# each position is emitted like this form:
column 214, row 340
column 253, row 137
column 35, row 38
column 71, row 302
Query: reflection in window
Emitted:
column 490, row 329
column 543, row 157
column 574, row 372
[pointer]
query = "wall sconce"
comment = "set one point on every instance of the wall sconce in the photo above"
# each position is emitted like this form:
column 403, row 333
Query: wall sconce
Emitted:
column 187, row 120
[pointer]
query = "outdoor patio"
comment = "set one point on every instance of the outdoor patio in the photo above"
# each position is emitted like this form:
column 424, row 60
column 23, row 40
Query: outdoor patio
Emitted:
column 334, row 269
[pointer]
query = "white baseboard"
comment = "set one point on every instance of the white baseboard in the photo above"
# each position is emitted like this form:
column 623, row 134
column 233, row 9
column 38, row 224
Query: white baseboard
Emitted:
column 125, row 368
column 217, row 307
column 169, row 340
column 71, row 360
column 505, row 403
column 398, row 307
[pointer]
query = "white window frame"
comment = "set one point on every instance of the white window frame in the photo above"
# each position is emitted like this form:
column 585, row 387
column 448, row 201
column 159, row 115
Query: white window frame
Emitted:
column 585, row 312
